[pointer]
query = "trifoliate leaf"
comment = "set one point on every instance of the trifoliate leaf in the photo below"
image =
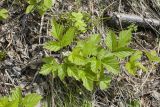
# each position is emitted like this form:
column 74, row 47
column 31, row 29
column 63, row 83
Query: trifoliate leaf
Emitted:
column 95, row 65
column 87, row 83
column 133, row 65
column 30, row 9
column 152, row 56
column 125, row 38
column 68, row 37
column 62, row 71
column 136, row 56
column 32, row 2
column 123, row 52
column 76, row 58
column 16, row 95
column 111, row 41
column 48, row 3
column 57, row 30
column 3, row 14
column 13, row 103
column 31, row 100
column 104, row 83
column 52, row 46
column 49, row 60
column 73, row 72
column 46, row 69
column 130, row 68
column 111, row 64
column 139, row 65
column 89, row 47
column 77, row 18
column 49, row 67
column 3, row 101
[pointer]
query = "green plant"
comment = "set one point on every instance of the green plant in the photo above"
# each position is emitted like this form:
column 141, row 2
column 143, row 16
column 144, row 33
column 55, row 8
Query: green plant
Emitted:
column 133, row 64
column 152, row 56
column 134, row 103
column 40, row 5
column 16, row 99
column 2, row 55
column 119, row 46
column 63, row 37
column 3, row 14
column 77, row 19
column 87, row 61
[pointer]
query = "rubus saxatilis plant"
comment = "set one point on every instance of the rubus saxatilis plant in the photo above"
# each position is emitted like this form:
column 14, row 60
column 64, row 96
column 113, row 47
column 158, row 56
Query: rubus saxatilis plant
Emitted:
column 89, row 59
column 16, row 99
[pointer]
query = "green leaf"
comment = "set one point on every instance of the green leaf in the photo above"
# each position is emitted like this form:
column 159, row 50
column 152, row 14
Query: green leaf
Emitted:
column 138, row 64
column 68, row 37
column 3, row 14
column 87, row 83
column 125, row 38
column 95, row 65
column 123, row 52
column 16, row 95
column 31, row 100
column 3, row 102
column 104, row 83
column 32, row 2
column 48, row 3
column 136, row 56
column 152, row 56
column 30, row 9
column 57, row 30
column 76, row 58
column 111, row 41
column 62, row 71
column 130, row 68
column 133, row 65
column 73, row 72
column 46, row 69
column 77, row 18
column 49, row 67
column 13, row 103
column 49, row 60
column 89, row 46
column 111, row 64
column 52, row 46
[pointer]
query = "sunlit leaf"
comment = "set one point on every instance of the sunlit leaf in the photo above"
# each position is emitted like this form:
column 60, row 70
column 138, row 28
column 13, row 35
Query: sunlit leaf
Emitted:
column 111, row 40
column 52, row 46
column 111, row 64
column 31, row 100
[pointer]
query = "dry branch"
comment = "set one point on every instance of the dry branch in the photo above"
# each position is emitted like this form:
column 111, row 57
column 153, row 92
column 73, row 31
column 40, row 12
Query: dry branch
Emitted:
column 117, row 19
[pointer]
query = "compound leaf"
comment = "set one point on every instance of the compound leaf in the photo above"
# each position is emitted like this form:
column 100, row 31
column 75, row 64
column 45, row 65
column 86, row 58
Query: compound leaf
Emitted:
column 50, row 66
column 111, row 64
column 62, row 71
column 111, row 41
column 152, row 56
column 125, row 38
column 68, row 37
column 31, row 100
column 57, row 30
column 3, row 102
column 104, row 83
column 52, row 46
column 3, row 14
column 123, row 52
column 30, row 9
column 87, row 83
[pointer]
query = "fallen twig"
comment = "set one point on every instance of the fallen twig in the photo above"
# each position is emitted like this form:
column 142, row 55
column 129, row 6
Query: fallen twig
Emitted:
column 126, row 19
